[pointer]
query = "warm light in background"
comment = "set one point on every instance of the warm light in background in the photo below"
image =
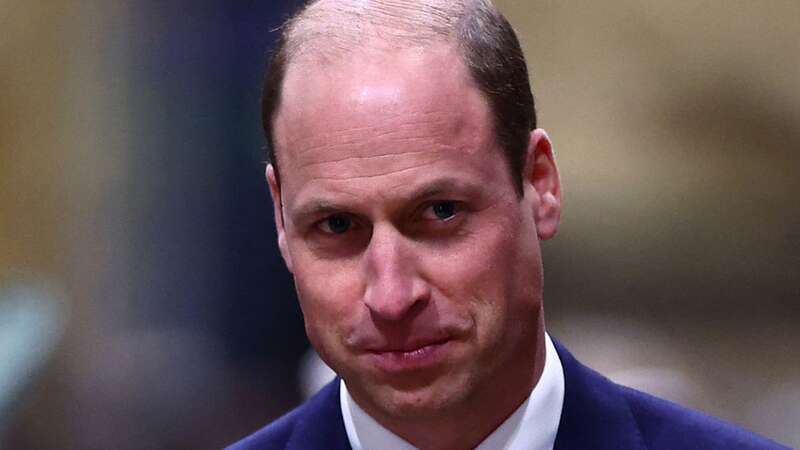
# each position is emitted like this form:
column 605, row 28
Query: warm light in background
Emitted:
column 135, row 227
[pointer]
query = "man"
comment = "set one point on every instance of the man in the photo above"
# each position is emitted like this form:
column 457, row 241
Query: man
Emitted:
column 411, row 189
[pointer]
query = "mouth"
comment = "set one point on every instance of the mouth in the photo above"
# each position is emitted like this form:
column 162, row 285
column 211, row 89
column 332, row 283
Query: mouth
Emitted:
column 410, row 358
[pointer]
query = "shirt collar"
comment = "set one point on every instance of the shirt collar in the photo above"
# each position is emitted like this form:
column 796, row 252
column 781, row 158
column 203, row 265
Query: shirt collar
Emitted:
column 533, row 426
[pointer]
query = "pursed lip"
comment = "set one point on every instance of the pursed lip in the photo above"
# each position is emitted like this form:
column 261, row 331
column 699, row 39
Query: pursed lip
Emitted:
column 410, row 346
column 415, row 355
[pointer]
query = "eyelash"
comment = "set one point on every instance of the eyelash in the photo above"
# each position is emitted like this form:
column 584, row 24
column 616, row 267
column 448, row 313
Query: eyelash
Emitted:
column 320, row 225
column 456, row 209
column 427, row 209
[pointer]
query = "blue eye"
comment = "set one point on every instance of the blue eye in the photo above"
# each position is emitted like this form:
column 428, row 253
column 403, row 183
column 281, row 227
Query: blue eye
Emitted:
column 444, row 210
column 337, row 224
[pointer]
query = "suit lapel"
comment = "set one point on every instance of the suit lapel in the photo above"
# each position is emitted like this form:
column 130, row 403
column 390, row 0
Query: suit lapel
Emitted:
column 322, row 426
column 595, row 415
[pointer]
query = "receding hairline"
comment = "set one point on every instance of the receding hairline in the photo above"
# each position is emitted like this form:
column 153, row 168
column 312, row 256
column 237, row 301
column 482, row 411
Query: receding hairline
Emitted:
column 330, row 28
column 327, row 33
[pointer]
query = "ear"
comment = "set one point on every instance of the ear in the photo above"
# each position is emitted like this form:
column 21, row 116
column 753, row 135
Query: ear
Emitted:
column 541, row 181
column 277, row 203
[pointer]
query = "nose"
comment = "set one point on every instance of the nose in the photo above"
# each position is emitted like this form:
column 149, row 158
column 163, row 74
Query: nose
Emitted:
column 394, row 288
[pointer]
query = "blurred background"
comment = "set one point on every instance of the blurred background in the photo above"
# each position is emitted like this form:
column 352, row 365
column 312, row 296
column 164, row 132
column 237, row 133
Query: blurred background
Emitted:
column 143, row 304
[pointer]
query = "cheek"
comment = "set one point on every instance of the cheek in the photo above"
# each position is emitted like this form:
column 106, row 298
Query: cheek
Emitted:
column 489, row 265
column 495, row 278
column 329, row 298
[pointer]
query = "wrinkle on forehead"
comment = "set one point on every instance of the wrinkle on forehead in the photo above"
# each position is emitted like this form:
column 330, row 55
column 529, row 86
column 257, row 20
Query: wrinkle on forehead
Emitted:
column 383, row 172
column 371, row 153
column 418, row 130
column 372, row 167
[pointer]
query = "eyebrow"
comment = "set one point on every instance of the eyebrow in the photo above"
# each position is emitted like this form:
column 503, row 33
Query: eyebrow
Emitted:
column 317, row 207
column 442, row 186
column 325, row 205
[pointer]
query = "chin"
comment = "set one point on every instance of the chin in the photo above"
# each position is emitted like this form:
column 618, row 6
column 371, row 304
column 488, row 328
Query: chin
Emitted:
column 417, row 398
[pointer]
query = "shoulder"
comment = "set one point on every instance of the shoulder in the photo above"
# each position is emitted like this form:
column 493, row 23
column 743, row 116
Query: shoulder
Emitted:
column 273, row 436
column 664, row 424
column 600, row 414
column 316, row 421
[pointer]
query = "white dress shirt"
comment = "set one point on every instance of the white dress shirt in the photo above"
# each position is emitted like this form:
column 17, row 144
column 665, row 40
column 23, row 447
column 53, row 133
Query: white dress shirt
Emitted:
column 533, row 426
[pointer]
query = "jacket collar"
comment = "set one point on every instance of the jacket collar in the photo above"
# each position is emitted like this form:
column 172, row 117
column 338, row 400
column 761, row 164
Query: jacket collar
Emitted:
column 322, row 426
column 595, row 414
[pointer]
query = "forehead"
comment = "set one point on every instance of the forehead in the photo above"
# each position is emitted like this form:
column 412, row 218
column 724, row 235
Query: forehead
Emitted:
column 375, row 113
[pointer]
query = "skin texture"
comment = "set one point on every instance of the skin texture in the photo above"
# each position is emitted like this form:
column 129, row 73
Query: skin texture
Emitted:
column 398, row 218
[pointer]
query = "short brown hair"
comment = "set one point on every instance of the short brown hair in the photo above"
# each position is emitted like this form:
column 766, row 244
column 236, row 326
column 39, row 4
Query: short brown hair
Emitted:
column 486, row 42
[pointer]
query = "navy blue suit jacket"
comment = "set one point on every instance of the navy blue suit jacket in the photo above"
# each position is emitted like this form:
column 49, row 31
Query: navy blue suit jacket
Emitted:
column 597, row 415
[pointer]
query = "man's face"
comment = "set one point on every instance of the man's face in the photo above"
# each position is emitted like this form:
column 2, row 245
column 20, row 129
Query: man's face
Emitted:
column 416, row 262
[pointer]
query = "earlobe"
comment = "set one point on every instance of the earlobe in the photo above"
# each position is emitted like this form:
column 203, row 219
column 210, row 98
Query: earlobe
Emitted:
column 541, row 177
column 277, row 203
